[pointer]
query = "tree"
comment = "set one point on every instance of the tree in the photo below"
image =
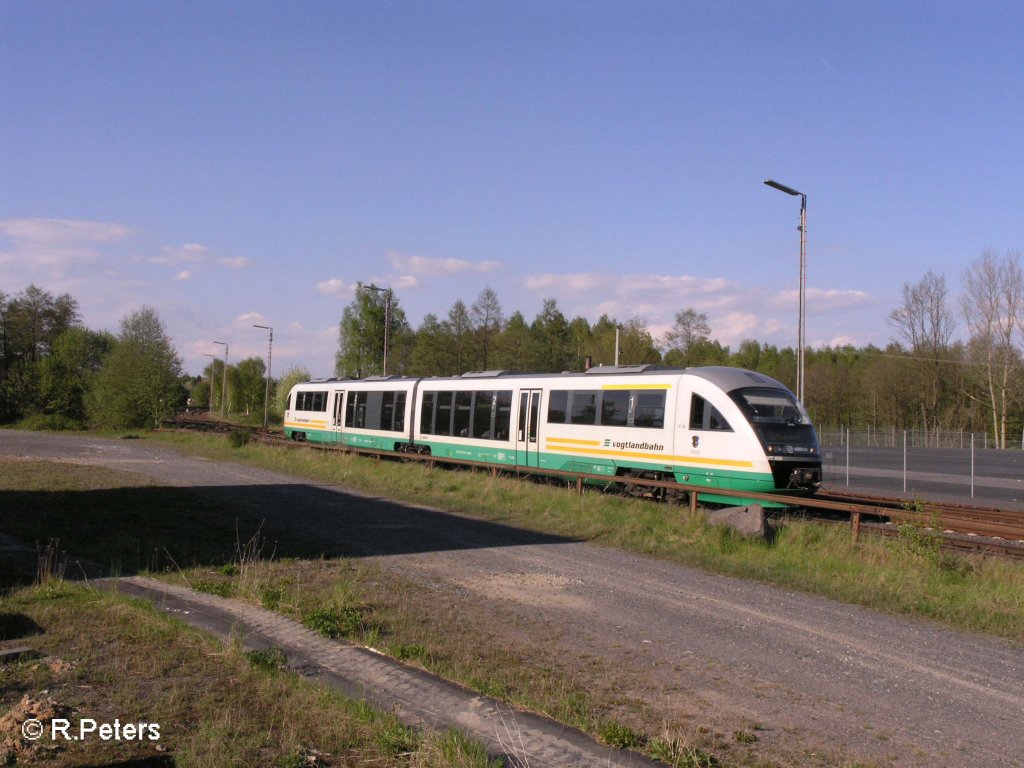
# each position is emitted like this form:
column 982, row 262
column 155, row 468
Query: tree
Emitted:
column 460, row 333
column 139, row 382
column 250, row 384
column 993, row 305
column 549, row 348
column 30, row 323
column 432, row 354
column 689, row 331
column 294, row 375
column 361, row 332
column 925, row 323
column 510, row 351
column 486, row 319
column 67, row 374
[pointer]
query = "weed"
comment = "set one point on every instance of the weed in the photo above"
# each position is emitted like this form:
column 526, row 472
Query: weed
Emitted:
column 270, row 659
column 271, row 597
column 335, row 622
column 218, row 588
column 397, row 740
column 408, row 652
column 52, row 564
column 745, row 737
column 240, row 438
column 615, row 734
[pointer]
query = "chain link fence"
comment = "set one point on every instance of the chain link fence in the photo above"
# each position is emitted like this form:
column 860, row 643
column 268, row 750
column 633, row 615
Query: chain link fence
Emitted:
column 898, row 437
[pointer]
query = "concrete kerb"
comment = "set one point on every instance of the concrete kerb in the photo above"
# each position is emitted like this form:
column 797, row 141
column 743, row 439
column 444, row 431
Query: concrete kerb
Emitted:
column 415, row 697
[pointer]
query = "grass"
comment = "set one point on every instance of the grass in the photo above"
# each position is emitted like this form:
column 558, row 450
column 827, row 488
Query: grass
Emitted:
column 228, row 549
column 900, row 576
column 215, row 706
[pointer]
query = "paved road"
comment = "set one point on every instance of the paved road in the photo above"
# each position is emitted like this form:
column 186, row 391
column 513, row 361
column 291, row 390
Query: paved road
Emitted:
column 824, row 682
column 989, row 477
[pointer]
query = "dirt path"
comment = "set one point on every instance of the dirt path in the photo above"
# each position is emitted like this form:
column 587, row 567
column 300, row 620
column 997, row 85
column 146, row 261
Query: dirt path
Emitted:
column 818, row 681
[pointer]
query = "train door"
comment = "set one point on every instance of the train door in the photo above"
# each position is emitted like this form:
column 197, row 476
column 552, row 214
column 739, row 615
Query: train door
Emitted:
column 527, row 445
column 338, row 415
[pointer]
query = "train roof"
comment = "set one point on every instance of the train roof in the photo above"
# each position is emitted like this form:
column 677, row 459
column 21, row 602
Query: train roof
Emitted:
column 728, row 379
column 724, row 377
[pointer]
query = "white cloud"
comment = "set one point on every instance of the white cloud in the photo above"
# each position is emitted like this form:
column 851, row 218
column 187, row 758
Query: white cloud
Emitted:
column 57, row 242
column 236, row 262
column 250, row 318
column 60, row 231
column 334, row 287
column 421, row 265
column 182, row 276
column 190, row 253
column 821, row 301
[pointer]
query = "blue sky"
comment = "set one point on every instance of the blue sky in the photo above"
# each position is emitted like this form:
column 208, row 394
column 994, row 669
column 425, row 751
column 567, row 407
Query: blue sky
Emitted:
column 232, row 163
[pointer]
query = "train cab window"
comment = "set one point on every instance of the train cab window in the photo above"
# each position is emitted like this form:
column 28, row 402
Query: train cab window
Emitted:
column 703, row 415
column 649, row 409
column 614, row 408
column 583, row 409
column 558, row 403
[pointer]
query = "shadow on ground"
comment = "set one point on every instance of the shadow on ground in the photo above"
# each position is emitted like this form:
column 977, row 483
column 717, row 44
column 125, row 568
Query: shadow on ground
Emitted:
column 126, row 530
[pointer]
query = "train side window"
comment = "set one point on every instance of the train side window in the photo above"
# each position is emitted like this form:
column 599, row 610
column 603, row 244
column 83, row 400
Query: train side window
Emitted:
column 350, row 408
column 649, row 409
column 372, row 410
column 703, row 415
column 427, row 414
column 483, row 415
column 399, row 423
column 502, row 415
column 387, row 410
column 614, row 408
column 583, row 408
column 462, row 413
column 558, row 403
column 319, row 401
column 443, row 419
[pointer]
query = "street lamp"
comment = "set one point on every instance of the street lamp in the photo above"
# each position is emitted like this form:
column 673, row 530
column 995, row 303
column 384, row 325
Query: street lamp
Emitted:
column 209, row 408
column 387, row 318
column 270, row 360
column 224, row 385
column 801, row 335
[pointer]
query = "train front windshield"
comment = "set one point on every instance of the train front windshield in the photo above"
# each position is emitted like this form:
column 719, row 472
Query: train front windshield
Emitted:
column 779, row 420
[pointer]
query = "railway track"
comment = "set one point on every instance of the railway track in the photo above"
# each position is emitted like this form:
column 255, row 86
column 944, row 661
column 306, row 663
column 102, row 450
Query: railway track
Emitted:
column 962, row 527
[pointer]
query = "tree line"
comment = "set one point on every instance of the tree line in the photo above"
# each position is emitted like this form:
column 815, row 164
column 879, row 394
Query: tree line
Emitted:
column 56, row 371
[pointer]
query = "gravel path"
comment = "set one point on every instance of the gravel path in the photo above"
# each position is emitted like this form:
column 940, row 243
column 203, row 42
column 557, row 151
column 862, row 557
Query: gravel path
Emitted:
column 821, row 682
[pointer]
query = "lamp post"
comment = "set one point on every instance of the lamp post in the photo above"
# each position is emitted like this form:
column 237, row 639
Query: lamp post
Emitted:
column 387, row 318
column 801, row 336
column 270, row 360
column 224, row 385
column 209, row 408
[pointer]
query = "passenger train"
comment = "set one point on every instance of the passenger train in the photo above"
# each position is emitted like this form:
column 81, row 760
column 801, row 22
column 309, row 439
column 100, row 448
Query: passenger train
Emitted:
column 713, row 427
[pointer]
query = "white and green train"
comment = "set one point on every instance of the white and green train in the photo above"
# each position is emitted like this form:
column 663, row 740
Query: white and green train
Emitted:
column 714, row 427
